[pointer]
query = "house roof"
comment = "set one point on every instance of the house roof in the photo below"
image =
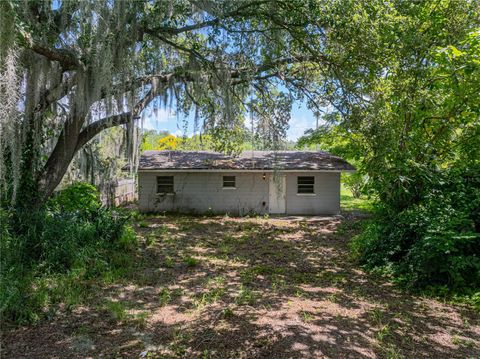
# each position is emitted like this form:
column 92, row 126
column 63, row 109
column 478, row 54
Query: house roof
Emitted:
column 247, row 160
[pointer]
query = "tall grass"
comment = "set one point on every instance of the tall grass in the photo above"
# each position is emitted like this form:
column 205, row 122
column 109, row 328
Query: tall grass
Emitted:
column 49, row 256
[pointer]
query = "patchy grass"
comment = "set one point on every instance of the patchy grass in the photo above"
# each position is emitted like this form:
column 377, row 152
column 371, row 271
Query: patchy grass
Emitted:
column 221, row 287
column 349, row 203
column 117, row 310
column 190, row 261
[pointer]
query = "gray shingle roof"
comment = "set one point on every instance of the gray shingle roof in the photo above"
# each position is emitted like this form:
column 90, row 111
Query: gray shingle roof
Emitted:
column 248, row 160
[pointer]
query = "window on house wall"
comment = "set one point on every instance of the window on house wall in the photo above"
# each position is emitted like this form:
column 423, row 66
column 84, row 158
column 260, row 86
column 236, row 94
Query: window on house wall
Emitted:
column 165, row 184
column 229, row 182
column 305, row 184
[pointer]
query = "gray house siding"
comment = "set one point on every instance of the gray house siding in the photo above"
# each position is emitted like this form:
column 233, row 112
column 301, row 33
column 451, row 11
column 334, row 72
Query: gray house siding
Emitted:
column 202, row 192
column 325, row 200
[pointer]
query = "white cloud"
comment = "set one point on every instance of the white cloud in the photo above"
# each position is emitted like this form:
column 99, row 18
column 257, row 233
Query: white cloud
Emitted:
column 155, row 116
column 298, row 126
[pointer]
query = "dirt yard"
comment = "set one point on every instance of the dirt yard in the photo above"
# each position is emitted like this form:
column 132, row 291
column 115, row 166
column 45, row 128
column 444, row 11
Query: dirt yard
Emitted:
column 222, row 287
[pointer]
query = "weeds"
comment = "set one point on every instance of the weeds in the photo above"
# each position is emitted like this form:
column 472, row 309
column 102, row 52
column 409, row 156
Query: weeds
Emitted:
column 246, row 296
column 306, row 316
column 190, row 261
column 168, row 262
column 143, row 224
column 458, row 341
column 140, row 320
column 376, row 315
column 392, row 352
column 50, row 255
column 333, row 298
column 228, row 313
column 117, row 310
column 164, row 297
column 383, row 333
column 215, row 291
column 120, row 312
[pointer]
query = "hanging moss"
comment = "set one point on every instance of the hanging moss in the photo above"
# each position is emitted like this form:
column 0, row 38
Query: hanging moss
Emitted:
column 66, row 65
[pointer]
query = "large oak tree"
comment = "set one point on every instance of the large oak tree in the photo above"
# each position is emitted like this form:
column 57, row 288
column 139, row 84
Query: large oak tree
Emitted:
column 399, row 77
column 72, row 69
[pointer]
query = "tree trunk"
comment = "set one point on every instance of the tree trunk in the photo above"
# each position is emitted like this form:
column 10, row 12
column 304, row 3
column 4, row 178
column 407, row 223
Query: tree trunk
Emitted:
column 60, row 158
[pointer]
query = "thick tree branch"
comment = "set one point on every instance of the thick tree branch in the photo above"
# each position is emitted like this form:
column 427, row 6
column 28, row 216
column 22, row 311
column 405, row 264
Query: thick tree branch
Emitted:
column 60, row 91
column 180, row 74
column 257, row 71
column 115, row 120
column 239, row 11
column 98, row 126
column 156, row 81
column 66, row 58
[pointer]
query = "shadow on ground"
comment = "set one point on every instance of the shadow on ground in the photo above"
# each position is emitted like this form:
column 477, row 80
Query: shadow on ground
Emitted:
column 250, row 288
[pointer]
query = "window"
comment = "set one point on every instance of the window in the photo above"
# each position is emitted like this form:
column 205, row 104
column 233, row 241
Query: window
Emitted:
column 228, row 181
column 305, row 185
column 165, row 184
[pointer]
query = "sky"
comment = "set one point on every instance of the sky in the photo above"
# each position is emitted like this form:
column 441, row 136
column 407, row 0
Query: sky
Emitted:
column 165, row 119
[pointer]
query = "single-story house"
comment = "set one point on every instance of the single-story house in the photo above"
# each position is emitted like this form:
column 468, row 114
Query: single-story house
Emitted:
column 280, row 182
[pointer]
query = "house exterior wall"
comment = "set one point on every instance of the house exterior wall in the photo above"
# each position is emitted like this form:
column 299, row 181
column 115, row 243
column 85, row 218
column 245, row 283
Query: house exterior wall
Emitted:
column 199, row 192
column 325, row 200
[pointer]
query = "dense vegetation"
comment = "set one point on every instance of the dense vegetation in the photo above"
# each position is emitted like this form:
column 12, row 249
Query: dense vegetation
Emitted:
column 163, row 140
column 432, row 243
column 48, row 256
column 415, row 141
column 394, row 83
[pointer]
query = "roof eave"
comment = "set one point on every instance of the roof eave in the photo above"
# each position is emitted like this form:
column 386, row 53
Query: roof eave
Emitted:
column 241, row 170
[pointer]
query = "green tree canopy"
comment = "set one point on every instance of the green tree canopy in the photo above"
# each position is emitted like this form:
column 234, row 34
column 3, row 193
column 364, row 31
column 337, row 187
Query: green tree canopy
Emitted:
column 406, row 97
column 81, row 67
column 401, row 76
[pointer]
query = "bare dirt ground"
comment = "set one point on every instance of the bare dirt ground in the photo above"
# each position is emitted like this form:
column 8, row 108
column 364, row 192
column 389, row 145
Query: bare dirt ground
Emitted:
column 221, row 287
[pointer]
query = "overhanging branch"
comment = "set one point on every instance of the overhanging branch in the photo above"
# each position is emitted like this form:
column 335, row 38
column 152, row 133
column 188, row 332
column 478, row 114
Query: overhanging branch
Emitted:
column 239, row 11
column 161, row 79
column 66, row 58
column 98, row 126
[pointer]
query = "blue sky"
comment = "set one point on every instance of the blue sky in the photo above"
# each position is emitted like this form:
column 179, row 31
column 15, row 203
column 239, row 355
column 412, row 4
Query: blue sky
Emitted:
column 160, row 119
column 166, row 119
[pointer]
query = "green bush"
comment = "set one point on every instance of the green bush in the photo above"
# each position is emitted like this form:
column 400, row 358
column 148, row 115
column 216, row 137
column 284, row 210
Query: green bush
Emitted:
column 79, row 196
column 354, row 182
column 67, row 235
column 47, row 255
column 434, row 242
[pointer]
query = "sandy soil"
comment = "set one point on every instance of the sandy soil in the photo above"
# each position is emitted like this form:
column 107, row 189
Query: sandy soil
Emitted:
column 222, row 287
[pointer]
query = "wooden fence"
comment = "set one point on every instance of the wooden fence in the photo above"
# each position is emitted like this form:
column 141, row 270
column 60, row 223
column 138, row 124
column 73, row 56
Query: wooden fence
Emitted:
column 119, row 192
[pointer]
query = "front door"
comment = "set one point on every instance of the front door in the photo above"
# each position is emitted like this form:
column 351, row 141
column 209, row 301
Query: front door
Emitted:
column 277, row 194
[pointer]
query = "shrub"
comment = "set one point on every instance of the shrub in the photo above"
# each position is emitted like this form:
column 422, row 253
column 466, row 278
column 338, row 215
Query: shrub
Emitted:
column 68, row 236
column 354, row 182
column 432, row 243
column 47, row 254
column 190, row 261
column 79, row 196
